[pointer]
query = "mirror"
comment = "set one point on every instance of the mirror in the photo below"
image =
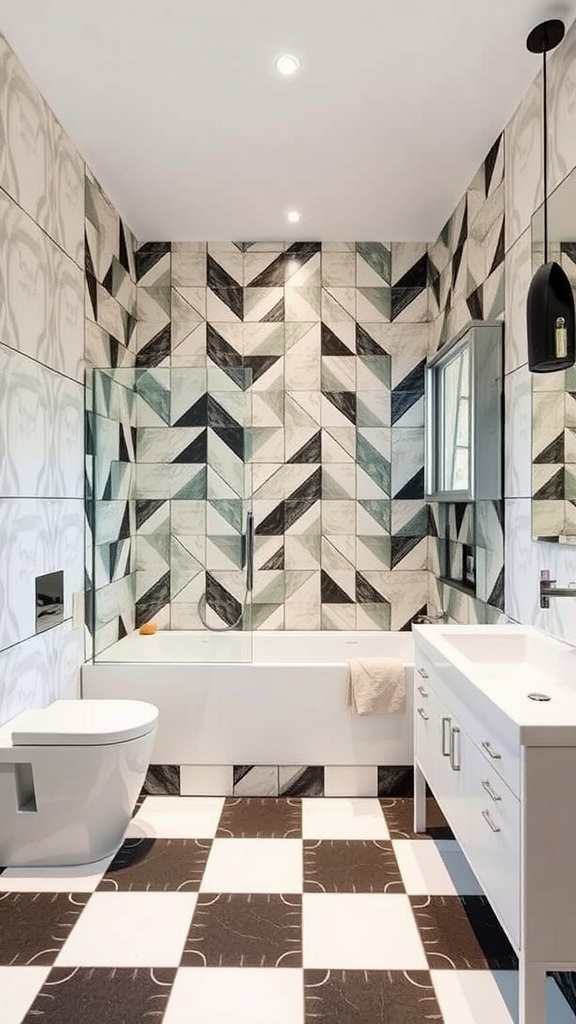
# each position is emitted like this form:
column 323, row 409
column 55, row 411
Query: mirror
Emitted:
column 463, row 422
column 554, row 394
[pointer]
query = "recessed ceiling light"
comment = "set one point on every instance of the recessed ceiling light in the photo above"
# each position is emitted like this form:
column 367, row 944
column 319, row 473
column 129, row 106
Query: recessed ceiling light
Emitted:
column 287, row 64
column 293, row 216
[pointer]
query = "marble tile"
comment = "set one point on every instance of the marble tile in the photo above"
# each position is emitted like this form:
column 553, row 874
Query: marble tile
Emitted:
column 562, row 108
column 40, row 670
column 518, row 436
column 523, row 147
column 518, row 273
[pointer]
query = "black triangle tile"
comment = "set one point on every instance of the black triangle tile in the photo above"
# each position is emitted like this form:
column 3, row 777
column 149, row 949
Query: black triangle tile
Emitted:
column 93, row 293
column 490, row 163
column 310, row 490
column 401, row 299
column 331, row 344
column 400, row 547
column 148, row 255
column 276, row 314
column 496, row 598
column 330, row 592
column 414, row 488
column 295, row 509
column 258, row 365
column 407, row 627
column 195, row 452
column 475, row 303
column 123, row 452
column 146, row 507
column 366, row 593
column 123, row 248
column 124, row 531
column 156, row 350
column 221, row 351
column 416, row 276
column 344, row 401
column 196, row 415
column 218, row 416
column 153, row 600
column 365, row 344
column 553, row 489
column 222, row 602
column 456, row 264
column 274, row 523
column 311, row 451
column 88, row 261
column 304, row 247
column 107, row 492
column 108, row 281
column 553, row 453
column 276, row 561
column 233, row 438
column 114, row 351
column 122, row 631
column 272, row 276
column 464, row 227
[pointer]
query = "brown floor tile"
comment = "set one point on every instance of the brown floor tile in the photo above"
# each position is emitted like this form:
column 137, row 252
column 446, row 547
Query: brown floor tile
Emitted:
column 462, row 932
column 367, row 997
column 260, row 817
column 158, row 865
column 240, row 930
column 346, row 865
column 101, row 995
column 35, row 925
column 399, row 815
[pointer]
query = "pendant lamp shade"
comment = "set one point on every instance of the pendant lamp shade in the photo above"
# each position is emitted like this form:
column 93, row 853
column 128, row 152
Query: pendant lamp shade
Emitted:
column 550, row 305
column 551, row 320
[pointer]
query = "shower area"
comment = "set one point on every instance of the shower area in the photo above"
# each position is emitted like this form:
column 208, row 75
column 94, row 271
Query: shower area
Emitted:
column 171, row 511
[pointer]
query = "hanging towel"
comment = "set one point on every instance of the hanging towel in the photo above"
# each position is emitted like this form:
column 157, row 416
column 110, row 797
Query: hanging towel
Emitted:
column 376, row 686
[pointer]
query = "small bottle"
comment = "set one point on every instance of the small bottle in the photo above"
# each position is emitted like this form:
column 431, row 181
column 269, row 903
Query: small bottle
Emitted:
column 561, row 338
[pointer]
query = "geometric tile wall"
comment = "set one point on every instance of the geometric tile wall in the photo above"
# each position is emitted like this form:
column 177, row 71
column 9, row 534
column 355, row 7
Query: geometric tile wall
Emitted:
column 110, row 305
column 466, row 282
column 292, row 373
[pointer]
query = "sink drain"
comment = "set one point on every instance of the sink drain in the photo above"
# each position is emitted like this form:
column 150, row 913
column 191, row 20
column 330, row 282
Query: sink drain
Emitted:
column 538, row 696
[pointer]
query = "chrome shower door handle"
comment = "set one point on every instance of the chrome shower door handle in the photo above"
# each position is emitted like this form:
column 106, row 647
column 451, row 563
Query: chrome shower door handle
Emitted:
column 249, row 549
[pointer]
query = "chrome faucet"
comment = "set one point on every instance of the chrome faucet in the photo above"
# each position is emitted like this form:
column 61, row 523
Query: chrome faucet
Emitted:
column 549, row 589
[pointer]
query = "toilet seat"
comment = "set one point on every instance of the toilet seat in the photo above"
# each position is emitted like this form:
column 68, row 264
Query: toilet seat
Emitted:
column 83, row 723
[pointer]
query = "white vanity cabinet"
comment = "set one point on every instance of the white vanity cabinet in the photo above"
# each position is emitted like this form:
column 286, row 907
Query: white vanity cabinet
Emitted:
column 503, row 769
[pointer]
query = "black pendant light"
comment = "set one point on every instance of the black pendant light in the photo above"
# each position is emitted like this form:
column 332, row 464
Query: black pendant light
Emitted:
column 550, row 304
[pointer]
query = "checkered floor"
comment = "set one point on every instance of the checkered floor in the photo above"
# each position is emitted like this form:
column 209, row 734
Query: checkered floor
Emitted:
column 260, row 911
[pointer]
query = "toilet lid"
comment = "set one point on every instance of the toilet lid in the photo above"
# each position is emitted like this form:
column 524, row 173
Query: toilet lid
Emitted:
column 83, row 723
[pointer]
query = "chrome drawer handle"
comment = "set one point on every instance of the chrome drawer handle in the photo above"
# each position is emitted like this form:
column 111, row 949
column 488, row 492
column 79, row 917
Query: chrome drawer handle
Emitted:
column 455, row 765
column 423, row 714
column 493, row 825
column 489, row 749
column 491, row 792
column 445, row 743
column 422, row 672
column 422, row 691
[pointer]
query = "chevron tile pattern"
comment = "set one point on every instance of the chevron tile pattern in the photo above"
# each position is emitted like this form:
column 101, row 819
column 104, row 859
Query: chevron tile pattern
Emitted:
column 291, row 374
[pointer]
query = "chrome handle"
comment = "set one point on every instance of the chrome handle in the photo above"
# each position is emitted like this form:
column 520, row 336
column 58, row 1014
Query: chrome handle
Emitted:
column 422, row 691
column 445, row 745
column 455, row 766
column 488, row 819
column 423, row 714
column 489, row 749
column 491, row 792
column 422, row 672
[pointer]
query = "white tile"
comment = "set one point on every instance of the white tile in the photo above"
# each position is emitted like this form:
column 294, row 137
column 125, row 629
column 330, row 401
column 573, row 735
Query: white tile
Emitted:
column 206, row 780
column 351, row 781
column 518, row 442
column 226, row 995
column 254, row 865
column 347, row 818
column 130, row 929
column 19, row 987
column 177, row 817
column 523, row 147
column 518, row 272
column 360, row 931
column 83, row 878
column 435, row 869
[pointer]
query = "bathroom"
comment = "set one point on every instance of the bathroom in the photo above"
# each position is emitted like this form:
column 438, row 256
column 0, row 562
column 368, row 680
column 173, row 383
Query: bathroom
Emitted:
column 179, row 414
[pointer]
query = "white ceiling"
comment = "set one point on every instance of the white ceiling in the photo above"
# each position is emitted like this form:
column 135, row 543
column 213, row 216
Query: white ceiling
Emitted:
column 176, row 106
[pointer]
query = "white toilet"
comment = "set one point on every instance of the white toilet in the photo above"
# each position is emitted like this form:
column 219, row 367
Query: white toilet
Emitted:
column 70, row 775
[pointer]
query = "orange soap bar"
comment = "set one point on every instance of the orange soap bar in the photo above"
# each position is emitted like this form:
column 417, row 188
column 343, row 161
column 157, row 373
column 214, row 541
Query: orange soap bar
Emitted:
column 148, row 629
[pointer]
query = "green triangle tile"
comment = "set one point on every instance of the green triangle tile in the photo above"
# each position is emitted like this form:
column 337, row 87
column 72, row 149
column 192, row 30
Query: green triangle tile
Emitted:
column 196, row 489
column 377, row 256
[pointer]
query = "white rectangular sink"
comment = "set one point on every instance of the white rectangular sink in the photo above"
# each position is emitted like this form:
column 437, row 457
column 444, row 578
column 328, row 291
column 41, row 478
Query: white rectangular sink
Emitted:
column 513, row 666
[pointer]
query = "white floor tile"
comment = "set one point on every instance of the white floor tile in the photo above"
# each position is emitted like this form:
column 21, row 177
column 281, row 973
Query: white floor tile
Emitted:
column 19, row 987
column 254, row 865
column 360, row 931
column 435, row 869
column 83, row 878
column 247, row 995
column 177, row 817
column 351, row 781
column 130, row 929
column 348, row 818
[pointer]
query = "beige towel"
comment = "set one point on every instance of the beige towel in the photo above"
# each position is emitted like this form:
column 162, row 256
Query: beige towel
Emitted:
column 376, row 686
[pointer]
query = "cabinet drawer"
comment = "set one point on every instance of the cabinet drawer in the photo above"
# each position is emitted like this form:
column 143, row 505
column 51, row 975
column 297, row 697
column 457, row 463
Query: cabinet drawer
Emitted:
column 425, row 734
column 493, row 841
column 500, row 756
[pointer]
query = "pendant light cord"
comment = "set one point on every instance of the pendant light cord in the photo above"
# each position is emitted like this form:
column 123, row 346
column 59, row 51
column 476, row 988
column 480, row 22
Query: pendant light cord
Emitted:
column 545, row 151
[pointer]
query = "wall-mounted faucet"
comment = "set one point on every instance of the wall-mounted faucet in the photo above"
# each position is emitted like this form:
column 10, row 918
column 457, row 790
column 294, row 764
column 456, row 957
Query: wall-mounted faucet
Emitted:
column 549, row 589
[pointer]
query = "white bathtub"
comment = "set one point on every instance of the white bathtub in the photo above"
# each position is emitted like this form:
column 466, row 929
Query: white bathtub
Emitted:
column 287, row 706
